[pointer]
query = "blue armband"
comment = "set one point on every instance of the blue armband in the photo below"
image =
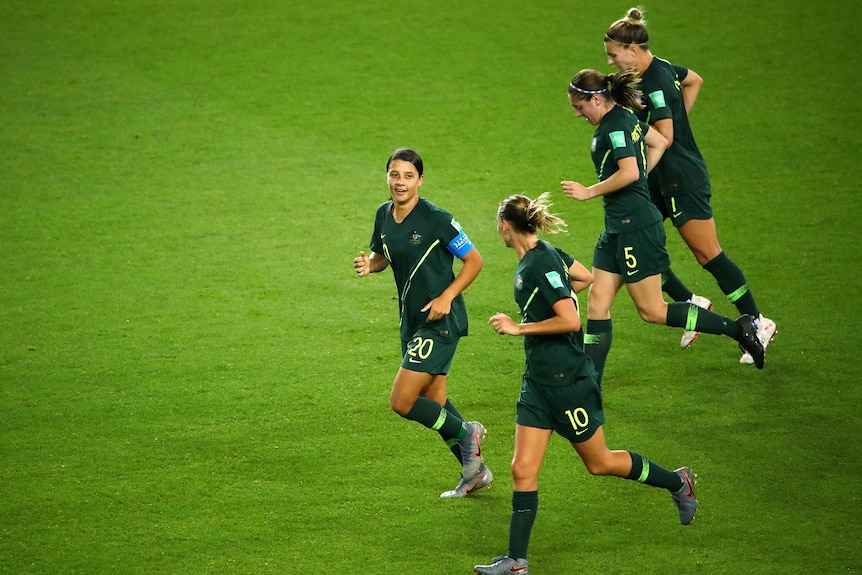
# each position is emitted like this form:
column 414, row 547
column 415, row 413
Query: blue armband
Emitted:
column 460, row 245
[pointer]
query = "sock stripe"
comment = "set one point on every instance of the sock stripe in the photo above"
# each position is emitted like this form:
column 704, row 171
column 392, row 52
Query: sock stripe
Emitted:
column 691, row 318
column 441, row 419
column 737, row 293
column 644, row 471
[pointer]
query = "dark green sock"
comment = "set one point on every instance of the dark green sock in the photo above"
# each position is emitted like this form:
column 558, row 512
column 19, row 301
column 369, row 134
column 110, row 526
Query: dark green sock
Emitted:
column 430, row 414
column 454, row 448
column 673, row 286
column 525, row 505
column 732, row 283
column 694, row 318
column 647, row 472
column 597, row 344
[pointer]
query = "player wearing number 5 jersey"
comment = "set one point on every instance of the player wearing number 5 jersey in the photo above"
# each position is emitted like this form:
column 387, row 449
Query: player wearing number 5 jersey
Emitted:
column 630, row 250
column 680, row 181
column 419, row 241
column 559, row 391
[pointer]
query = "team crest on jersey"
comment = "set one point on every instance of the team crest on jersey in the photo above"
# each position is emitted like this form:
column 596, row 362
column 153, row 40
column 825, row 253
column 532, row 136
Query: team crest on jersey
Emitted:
column 415, row 238
column 593, row 145
column 519, row 282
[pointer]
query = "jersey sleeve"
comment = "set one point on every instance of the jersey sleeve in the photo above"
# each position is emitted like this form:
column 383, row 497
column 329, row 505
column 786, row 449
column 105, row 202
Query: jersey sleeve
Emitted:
column 660, row 93
column 681, row 72
column 376, row 243
column 568, row 260
column 620, row 142
column 452, row 235
column 461, row 244
column 553, row 281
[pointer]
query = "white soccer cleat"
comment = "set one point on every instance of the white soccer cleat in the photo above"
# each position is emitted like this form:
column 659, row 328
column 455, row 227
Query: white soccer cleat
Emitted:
column 766, row 330
column 688, row 337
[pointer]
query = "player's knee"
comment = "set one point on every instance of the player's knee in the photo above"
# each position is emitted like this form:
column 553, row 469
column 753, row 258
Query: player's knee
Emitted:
column 597, row 467
column 651, row 315
column 705, row 254
column 399, row 405
column 523, row 471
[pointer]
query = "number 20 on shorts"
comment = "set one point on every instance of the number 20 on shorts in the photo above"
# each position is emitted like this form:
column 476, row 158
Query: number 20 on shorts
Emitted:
column 420, row 347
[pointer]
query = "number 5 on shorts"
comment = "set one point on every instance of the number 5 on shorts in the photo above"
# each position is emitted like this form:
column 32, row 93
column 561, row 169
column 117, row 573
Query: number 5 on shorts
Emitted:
column 631, row 260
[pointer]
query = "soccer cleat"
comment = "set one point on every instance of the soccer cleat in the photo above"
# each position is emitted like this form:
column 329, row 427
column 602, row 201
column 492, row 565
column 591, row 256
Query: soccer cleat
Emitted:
column 465, row 487
column 748, row 340
column 471, row 449
column 688, row 337
column 684, row 498
column 766, row 330
column 503, row 565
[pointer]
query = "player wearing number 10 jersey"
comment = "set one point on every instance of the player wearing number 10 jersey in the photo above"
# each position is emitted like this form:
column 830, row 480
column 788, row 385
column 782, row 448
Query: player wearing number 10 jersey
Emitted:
column 559, row 392
column 420, row 242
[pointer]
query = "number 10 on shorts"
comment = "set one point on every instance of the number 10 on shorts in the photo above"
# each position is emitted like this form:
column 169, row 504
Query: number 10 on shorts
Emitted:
column 579, row 418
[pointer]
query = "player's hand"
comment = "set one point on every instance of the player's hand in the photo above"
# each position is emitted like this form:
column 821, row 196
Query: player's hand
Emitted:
column 437, row 308
column 504, row 325
column 362, row 265
column 576, row 191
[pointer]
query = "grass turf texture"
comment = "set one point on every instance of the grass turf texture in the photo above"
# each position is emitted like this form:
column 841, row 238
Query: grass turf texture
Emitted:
column 192, row 380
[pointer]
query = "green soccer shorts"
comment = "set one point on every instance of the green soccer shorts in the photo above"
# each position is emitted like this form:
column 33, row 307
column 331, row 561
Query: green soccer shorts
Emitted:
column 429, row 351
column 573, row 410
column 691, row 206
column 633, row 255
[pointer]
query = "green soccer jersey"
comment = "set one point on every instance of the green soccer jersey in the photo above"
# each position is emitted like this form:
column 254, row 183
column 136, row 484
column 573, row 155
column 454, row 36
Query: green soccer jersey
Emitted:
column 620, row 135
column 421, row 251
column 541, row 280
column 682, row 169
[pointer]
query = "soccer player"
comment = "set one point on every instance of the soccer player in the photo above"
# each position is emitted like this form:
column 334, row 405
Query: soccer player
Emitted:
column 558, row 389
column 681, row 179
column 630, row 249
column 420, row 241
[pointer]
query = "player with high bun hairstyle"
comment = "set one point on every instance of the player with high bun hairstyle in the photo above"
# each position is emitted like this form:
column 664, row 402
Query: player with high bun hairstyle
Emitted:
column 631, row 248
column 558, row 389
column 420, row 241
column 680, row 183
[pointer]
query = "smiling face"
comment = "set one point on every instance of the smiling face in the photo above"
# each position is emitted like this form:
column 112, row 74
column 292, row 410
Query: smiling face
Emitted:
column 621, row 56
column 404, row 181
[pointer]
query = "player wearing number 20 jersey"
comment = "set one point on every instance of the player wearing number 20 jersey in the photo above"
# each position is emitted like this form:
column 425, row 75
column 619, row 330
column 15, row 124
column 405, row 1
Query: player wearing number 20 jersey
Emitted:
column 420, row 242
column 421, row 250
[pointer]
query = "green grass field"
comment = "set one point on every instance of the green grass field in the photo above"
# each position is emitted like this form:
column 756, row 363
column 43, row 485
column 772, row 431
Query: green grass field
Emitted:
column 193, row 380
